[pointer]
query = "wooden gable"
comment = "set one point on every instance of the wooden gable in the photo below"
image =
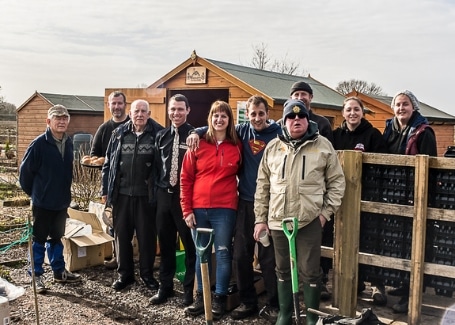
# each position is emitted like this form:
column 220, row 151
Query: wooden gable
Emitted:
column 31, row 121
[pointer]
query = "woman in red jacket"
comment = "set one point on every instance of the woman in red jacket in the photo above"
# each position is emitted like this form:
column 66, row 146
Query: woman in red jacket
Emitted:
column 208, row 196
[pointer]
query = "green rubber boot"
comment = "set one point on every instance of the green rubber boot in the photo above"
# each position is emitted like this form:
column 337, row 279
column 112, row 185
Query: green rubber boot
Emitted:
column 285, row 301
column 311, row 296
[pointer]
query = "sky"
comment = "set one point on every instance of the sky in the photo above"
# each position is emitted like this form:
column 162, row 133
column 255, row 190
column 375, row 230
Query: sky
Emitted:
column 82, row 47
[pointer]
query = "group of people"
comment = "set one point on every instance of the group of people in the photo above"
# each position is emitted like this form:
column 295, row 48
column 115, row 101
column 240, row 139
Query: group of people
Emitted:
column 239, row 180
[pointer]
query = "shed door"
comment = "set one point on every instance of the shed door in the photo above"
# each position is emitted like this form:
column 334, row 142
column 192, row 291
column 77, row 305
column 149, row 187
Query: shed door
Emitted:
column 200, row 101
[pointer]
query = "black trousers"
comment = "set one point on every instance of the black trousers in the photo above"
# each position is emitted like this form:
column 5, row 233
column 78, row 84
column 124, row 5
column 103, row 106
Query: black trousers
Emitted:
column 134, row 213
column 327, row 240
column 48, row 224
column 169, row 221
column 244, row 244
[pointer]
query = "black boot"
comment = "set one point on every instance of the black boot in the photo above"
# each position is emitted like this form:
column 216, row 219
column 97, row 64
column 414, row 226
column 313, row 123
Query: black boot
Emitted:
column 197, row 308
column 218, row 306
column 311, row 294
column 285, row 300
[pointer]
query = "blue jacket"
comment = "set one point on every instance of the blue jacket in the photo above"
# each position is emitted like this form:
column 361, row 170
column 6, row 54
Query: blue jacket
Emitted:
column 111, row 164
column 45, row 175
column 253, row 143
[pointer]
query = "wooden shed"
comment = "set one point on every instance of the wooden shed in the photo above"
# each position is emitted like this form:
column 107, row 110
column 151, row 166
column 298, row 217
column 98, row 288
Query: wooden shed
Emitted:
column 203, row 81
column 442, row 123
column 86, row 115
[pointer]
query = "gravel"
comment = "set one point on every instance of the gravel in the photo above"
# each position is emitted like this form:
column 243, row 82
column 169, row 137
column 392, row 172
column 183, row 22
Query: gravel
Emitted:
column 92, row 301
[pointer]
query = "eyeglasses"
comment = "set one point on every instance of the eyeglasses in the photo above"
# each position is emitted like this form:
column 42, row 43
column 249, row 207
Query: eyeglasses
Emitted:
column 292, row 116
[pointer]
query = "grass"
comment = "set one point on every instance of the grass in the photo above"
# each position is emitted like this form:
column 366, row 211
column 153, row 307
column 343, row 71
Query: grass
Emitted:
column 9, row 190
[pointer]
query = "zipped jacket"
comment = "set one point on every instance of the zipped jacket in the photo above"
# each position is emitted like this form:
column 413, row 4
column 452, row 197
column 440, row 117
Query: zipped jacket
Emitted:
column 209, row 176
column 45, row 174
column 110, row 170
column 298, row 178
column 417, row 138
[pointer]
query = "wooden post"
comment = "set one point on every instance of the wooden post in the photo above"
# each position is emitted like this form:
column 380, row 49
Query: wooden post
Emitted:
column 418, row 238
column 346, row 243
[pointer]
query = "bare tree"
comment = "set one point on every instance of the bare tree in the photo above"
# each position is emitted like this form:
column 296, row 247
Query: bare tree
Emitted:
column 262, row 60
column 345, row 87
column 5, row 107
column 285, row 66
column 261, row 57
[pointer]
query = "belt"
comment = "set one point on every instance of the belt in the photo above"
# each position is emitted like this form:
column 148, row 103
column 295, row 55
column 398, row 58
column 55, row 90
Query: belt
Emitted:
column 170, row 190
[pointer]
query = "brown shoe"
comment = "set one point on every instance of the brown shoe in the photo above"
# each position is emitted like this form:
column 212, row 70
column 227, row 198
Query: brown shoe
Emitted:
column 112, row 264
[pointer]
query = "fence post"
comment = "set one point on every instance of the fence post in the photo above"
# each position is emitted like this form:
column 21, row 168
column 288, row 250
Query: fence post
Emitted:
column 418, row 238
column 347, row 228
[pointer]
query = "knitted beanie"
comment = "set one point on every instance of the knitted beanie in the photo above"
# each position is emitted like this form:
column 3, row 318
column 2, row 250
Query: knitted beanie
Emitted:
column 411, row 96
column 295, row 107
column 301, row 85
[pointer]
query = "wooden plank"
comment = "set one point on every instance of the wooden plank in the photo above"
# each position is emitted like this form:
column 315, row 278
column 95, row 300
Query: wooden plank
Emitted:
column 347, row 222
column 441, row 214
column 397, row 263
column 385, row 261
column 388, row 159
column 418, row 238
column 440, row 270
column 442, row 163
column 388, row 208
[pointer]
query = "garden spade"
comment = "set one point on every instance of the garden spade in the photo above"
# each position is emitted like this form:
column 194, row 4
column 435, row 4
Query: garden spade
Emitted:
column 204, row 252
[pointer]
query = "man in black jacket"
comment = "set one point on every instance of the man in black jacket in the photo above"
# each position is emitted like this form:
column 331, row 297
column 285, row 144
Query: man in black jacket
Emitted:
column 302, row 91
column 128, row 178
column 171, row 147
column 117, row 106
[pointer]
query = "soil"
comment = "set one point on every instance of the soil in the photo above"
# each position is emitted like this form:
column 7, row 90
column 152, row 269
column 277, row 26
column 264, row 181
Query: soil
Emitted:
column 92, row 301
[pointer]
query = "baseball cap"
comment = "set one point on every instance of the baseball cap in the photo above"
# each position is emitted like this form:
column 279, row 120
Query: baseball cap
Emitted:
column 57, row 110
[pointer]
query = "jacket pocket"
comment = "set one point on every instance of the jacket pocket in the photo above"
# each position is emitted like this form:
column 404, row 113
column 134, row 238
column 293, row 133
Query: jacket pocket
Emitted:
column 277, row 201
column 311, row 200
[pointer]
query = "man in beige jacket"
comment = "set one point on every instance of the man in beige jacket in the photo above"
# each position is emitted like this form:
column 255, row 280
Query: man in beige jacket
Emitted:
column 299, row 176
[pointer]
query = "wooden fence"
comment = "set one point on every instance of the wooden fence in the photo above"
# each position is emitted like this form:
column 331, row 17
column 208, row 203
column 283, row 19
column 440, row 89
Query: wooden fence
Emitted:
column 345, row 252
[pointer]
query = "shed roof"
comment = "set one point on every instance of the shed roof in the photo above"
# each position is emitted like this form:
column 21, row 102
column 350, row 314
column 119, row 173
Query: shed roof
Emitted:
column 72, row 102
column 277, row 85
column 426, row 110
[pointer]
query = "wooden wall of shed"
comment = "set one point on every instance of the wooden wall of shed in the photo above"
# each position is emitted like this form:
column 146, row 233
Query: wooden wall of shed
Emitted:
column 84, row 123
column 31, row 122
column 214, row 81
column 444, row 137
column 155, row 97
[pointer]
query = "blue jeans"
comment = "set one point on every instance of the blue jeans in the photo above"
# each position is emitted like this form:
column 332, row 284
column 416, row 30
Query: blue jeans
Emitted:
column 222, row 221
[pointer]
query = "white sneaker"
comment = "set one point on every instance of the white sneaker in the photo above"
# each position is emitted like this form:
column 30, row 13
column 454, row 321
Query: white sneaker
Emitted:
column 66, row 276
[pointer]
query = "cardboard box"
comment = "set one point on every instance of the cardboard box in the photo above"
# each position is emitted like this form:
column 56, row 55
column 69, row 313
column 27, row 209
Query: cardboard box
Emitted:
column 88, row 250
column 76, row 228
column 98, row 208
